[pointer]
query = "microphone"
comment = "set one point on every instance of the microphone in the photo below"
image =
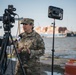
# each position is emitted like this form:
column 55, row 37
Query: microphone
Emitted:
column 18, row 38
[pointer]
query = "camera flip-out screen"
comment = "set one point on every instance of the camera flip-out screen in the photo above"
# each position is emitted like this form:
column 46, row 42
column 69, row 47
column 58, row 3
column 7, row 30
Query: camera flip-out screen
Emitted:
column 55, row 12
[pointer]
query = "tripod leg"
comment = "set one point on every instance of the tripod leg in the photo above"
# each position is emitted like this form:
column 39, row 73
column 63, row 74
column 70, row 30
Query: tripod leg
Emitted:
column 3, row 55
column 18, row 56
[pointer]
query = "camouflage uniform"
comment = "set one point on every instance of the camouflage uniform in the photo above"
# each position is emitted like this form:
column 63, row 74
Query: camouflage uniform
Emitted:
column 34, row 42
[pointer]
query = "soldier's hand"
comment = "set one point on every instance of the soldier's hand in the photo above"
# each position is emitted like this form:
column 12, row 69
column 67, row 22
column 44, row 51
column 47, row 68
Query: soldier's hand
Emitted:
column 28, row 50
column 20, row 49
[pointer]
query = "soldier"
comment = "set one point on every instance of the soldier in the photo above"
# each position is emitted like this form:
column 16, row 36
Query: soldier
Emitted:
column 30, row 48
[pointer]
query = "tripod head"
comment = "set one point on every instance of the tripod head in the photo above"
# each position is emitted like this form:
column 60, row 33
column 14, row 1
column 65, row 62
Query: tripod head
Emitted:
column 8, row 18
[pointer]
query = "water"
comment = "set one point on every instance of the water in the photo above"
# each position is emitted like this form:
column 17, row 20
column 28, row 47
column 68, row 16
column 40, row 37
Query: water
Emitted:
column 62, row 45
column 49, row 73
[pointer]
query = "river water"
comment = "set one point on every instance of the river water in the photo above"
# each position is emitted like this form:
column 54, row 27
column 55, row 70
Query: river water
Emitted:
column 62, row 45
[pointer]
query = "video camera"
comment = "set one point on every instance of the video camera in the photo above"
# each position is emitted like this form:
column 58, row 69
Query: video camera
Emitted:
column 55, row 12
column 8, row 17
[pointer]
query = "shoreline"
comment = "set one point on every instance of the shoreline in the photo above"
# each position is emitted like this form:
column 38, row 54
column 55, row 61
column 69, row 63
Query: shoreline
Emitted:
column 59, row 63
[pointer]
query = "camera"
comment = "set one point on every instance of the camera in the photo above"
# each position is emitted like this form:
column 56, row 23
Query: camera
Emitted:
column 55, row 12
column 8, row 17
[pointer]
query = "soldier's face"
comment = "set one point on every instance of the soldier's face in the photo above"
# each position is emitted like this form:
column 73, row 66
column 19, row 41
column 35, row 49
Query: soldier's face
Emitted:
column 27, row 28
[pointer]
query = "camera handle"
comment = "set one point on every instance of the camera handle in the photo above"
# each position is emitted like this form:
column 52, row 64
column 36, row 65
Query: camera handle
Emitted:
column 3, row 54
column 52, row 67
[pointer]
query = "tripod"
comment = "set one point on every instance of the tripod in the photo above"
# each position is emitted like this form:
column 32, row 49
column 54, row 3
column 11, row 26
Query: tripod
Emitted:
column 3, row 53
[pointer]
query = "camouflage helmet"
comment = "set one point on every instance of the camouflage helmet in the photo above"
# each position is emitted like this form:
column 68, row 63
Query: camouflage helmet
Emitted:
column 27, row 21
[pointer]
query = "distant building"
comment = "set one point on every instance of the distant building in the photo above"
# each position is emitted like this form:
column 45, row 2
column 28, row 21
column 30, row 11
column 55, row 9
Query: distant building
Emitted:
column 62, row 29
column 49, row 29
column 38, row 29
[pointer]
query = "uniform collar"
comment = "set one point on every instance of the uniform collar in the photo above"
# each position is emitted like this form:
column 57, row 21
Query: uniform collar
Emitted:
column 28, row 34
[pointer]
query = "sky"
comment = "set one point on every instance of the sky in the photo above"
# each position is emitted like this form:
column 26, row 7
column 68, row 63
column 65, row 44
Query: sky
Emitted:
column 38, row 10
